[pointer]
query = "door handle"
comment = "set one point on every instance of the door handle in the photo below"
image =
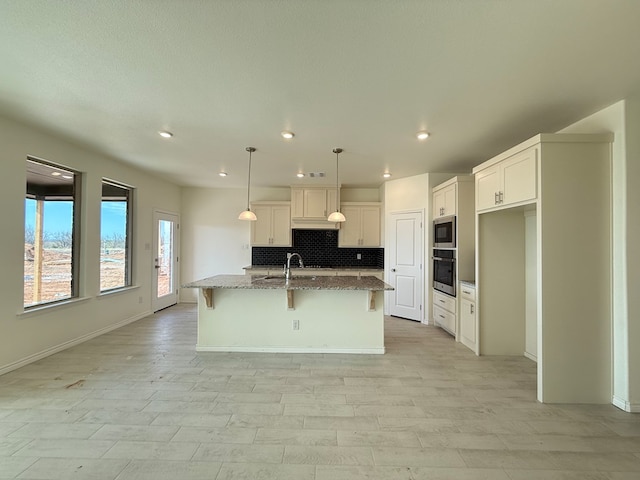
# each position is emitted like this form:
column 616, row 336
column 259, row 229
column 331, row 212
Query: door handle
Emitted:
column 393, row 269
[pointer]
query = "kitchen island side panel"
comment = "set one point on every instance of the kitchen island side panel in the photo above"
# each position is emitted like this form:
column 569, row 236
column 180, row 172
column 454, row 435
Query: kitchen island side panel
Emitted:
column 255, row 320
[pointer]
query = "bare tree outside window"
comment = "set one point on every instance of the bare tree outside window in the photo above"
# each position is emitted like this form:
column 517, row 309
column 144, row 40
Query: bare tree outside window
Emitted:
column 115, row 236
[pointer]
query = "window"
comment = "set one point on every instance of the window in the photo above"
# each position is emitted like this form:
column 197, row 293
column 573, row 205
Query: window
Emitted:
column 51, row 233
column 115, row 236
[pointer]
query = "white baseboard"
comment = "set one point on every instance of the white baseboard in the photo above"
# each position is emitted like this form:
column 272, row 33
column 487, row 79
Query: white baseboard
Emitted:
column 626, row 406
column 531, row 356
column 368, row 351
column 63, row 346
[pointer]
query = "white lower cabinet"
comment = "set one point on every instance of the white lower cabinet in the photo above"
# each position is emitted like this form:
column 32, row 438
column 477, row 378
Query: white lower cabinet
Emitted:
column 468, row 330
column 444, row 312
column 314, row 272
column 361, row 273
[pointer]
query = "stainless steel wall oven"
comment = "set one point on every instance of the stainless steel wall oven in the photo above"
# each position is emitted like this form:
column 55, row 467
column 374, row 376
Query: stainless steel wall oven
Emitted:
column 444, row 271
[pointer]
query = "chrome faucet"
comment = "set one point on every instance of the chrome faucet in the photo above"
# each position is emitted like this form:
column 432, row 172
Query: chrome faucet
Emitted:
column 287, row 270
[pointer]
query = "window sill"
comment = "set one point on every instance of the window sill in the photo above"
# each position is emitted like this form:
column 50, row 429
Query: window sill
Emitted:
column 116, row 291
column 40, row 309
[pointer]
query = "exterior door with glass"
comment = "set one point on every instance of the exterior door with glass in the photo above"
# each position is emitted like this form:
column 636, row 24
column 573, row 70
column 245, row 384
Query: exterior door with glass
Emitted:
column 166, row 243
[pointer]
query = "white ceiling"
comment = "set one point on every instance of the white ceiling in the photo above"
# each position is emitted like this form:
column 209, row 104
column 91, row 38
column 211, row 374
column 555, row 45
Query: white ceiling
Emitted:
column 364, row 75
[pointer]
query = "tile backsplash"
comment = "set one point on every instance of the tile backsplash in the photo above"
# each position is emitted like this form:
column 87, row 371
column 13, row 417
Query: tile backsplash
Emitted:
column 319, row 248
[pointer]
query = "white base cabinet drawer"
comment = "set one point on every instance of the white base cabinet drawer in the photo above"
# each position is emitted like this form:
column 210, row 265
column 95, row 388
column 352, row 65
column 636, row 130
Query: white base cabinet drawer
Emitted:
column 467, row 292
column 444, row 301
column 444, row 319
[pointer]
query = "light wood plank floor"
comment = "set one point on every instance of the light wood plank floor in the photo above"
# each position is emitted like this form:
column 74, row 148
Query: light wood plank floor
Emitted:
column 140, row 403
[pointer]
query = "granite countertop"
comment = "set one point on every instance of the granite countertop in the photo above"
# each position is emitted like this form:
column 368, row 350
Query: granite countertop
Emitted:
column 311, row 269
column 272, row 282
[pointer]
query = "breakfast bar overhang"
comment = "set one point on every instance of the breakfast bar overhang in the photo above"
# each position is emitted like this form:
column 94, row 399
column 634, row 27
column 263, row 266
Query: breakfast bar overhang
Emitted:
column 253, row 313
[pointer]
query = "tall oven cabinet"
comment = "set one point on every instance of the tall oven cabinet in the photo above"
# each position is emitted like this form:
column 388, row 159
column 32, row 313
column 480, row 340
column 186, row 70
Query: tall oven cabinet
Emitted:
column 455, row 197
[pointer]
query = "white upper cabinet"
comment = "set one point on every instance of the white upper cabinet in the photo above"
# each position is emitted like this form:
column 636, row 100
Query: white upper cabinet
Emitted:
column 310, row 207
column 312, row 202
column 509, row 182
column 362, row 227
column 273, row 226
column 444, row 201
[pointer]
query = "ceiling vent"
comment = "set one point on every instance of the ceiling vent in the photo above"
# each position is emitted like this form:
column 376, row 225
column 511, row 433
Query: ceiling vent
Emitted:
column 316, row 174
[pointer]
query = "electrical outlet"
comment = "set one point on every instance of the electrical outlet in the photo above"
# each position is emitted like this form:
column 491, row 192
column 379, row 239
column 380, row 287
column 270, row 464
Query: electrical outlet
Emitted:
column 358, row 256
column 295, row 325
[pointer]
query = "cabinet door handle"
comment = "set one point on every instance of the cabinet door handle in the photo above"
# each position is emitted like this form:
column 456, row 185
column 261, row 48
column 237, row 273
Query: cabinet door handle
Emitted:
column 501, row 197
column 495, row 198
column 467, row 292
column 471, row 308
column 440, row 315
column 441, row 301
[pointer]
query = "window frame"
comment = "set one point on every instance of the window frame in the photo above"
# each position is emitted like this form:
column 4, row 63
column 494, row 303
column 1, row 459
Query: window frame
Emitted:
column 76, row 228
column 128, row 243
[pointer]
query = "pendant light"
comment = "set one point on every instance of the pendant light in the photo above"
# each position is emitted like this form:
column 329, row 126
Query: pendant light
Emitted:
column 337, row 216
column 248, row 214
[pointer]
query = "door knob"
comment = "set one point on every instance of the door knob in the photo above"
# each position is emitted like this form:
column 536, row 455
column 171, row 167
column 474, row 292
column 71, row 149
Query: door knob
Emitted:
column 393, row 269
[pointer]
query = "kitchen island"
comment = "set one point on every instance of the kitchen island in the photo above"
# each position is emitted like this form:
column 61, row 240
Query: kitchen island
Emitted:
column 307, row 314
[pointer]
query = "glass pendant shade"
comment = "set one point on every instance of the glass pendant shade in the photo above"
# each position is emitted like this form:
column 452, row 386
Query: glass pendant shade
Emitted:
column 248, row 214
column 336, row 217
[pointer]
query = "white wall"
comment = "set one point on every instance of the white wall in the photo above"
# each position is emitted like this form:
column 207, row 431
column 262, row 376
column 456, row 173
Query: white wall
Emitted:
column 623, row 119
column 531, row 291
column 632, row 246
column 27, row 337
column 213, row 240
column 360, row 195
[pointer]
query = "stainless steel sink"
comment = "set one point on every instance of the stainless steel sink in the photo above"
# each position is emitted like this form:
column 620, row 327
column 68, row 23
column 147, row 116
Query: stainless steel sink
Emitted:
column 270, row 278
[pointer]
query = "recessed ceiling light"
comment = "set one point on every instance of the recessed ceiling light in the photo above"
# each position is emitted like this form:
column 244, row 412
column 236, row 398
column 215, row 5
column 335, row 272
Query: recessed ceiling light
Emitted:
column 300, row 175
column 56, row 174
column 386, row 175
column 165, row 134
column 287, row 134
column 422, row 135
column 68, row 177
column 223, row 174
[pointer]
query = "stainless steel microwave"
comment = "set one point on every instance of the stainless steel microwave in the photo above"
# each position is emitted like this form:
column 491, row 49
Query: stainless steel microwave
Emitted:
column 444, row 232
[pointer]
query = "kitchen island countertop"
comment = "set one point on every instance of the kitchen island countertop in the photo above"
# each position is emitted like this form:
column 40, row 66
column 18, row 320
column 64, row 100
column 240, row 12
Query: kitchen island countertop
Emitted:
column 271, row 282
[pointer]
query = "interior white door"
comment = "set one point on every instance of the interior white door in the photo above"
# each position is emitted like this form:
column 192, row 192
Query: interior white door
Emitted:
column 405, row 265
column 166, row 243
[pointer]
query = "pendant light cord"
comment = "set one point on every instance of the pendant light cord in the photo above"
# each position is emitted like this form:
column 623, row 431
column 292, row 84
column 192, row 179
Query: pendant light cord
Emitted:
column 250, row 150
column 337, row 151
